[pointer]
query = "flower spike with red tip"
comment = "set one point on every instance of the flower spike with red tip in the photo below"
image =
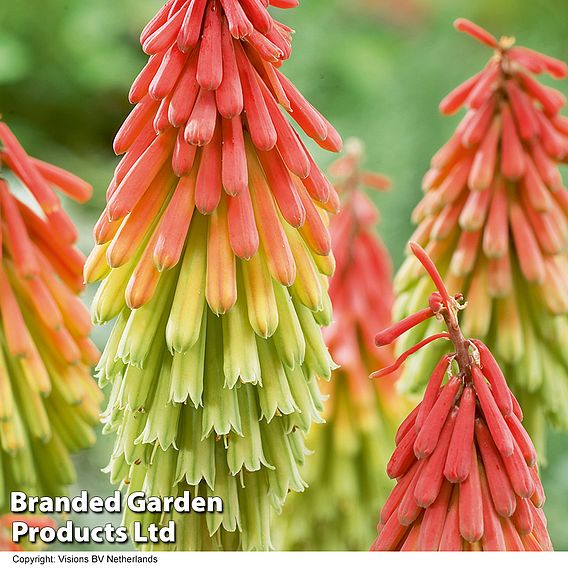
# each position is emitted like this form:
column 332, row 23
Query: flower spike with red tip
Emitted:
column 466, row 470
column 49, row 402
column 361, row 415
column 494, row 218
column 214, row 254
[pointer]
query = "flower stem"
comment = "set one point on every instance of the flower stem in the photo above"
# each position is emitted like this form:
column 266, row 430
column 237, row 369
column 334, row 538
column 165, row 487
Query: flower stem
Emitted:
column 448, row 311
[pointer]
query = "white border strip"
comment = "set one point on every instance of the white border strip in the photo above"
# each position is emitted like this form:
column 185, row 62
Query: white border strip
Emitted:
column 283, row 559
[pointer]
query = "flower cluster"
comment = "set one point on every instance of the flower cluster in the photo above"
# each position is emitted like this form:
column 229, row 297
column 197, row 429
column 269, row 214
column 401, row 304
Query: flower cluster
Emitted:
column 48, row 400
column 214, row 253
column 466, row 470
column 495, row 220
column 346, row 474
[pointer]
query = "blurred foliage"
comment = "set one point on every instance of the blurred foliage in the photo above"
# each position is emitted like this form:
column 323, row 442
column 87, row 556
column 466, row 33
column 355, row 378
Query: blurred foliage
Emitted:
column 376, row 68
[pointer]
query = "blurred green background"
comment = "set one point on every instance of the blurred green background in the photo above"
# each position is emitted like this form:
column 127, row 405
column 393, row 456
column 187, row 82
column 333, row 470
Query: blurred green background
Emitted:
column 376, row 68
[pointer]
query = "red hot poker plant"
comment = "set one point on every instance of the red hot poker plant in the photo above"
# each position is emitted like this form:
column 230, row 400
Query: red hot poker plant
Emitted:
column 214, row 254
column 495, row 221
column 466, row 470
column 49, row 402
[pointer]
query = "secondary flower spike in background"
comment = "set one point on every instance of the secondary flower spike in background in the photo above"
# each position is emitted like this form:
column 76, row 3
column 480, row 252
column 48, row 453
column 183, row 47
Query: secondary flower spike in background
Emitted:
column 466, row 470
column 214, row 255
column 346, row 474
column 494, row 219
column 49, row 402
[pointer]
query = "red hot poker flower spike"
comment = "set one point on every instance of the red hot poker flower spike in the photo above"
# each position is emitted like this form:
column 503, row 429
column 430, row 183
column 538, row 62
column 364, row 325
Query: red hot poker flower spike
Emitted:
column 214, row 255
column 494, row 218
column 466, row 472
column 49, row 402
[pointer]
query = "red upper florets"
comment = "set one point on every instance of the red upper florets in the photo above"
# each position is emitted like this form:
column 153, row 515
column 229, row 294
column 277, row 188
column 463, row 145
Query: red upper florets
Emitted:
column 465, row 467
